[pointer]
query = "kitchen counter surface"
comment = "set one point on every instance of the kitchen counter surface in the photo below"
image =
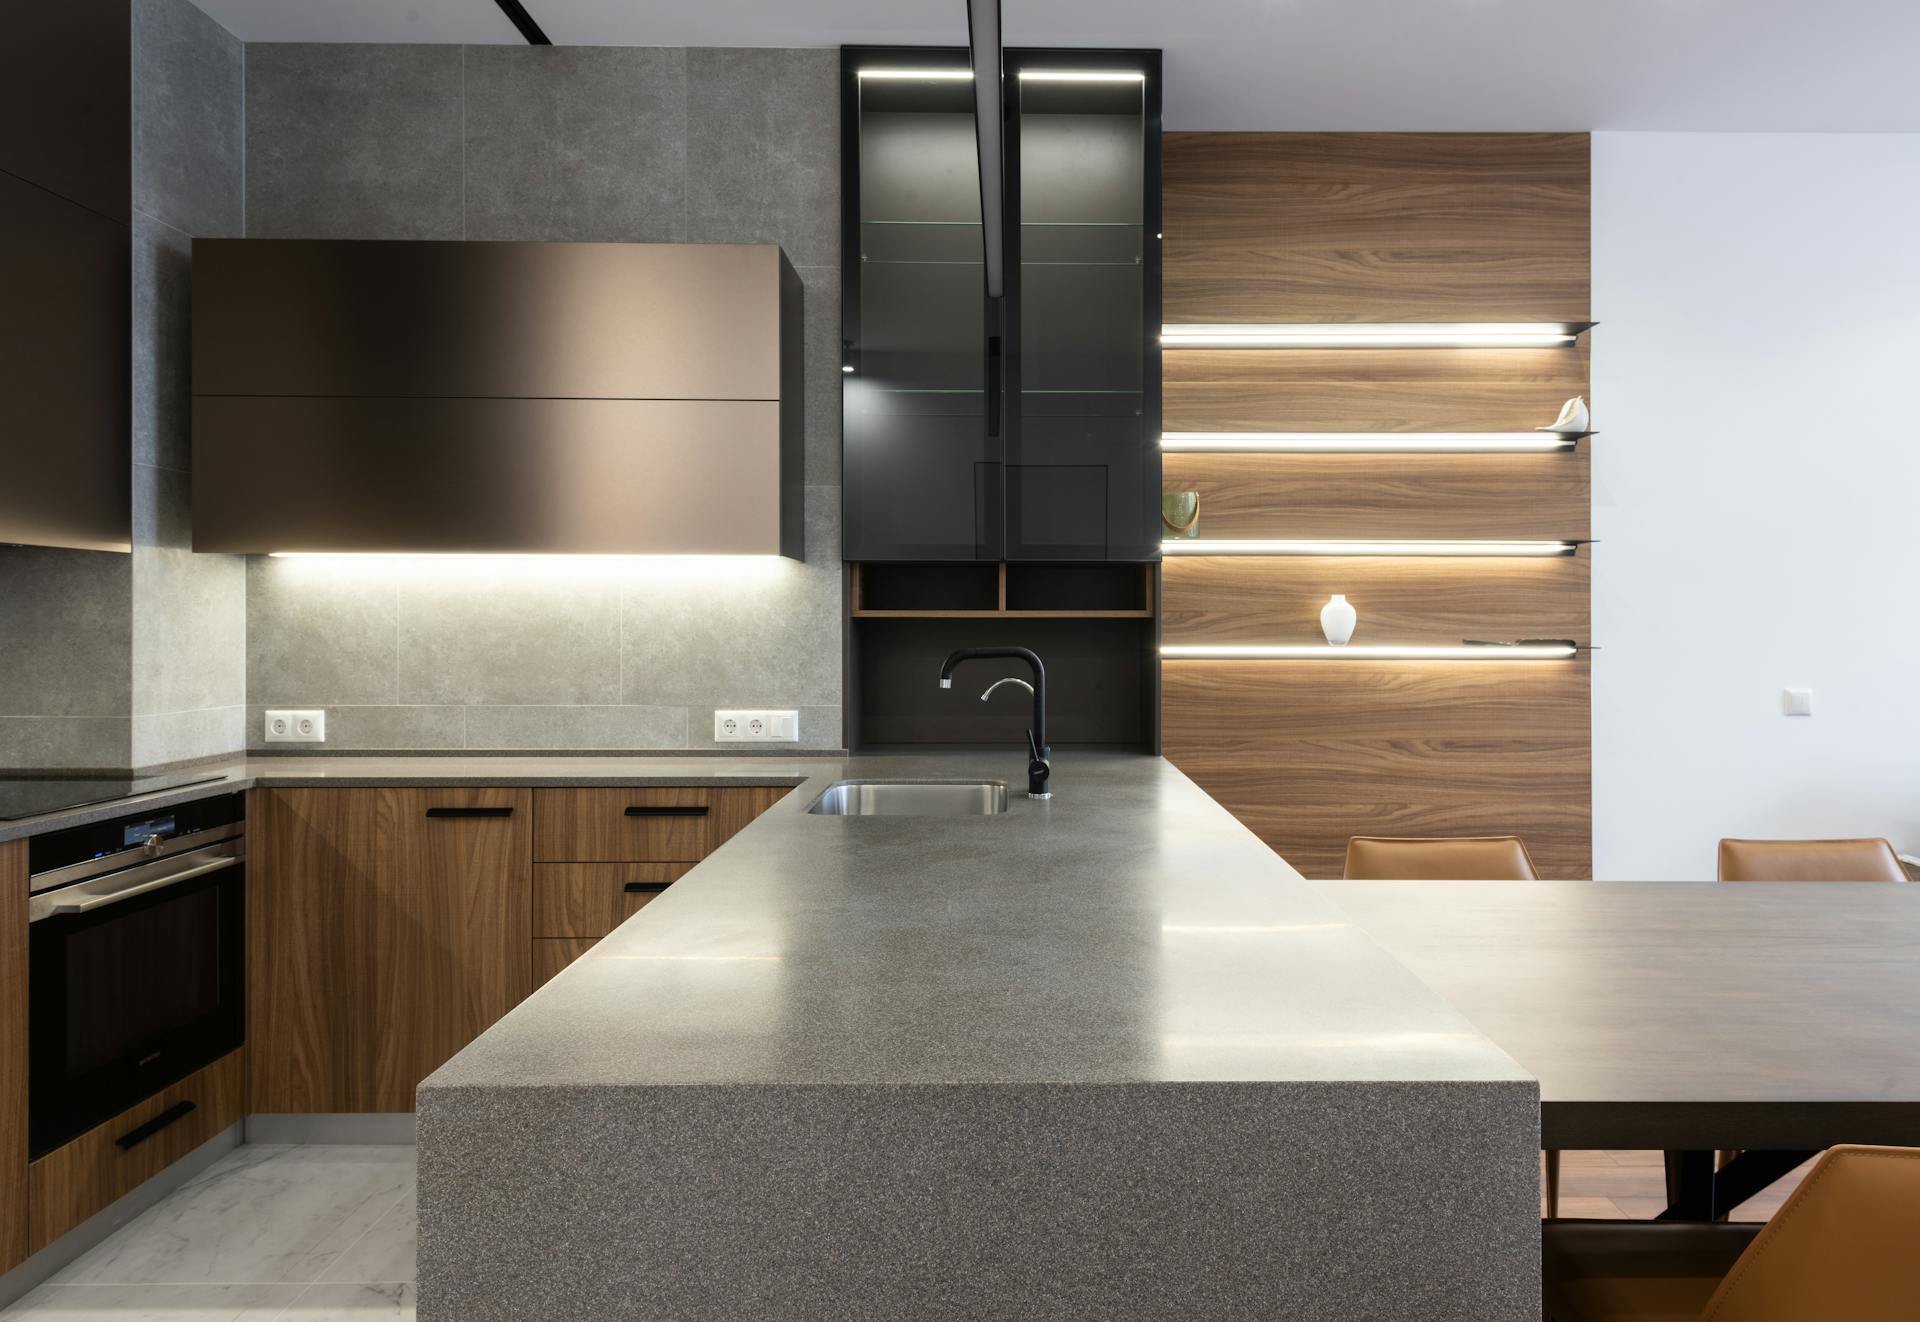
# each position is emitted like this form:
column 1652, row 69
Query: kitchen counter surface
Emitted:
column 1103, row 1056
column 402, row 769
column 1129, row 929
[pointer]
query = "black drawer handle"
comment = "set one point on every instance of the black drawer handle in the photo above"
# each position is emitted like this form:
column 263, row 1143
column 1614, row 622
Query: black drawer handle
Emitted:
column 469, row 812
column 139, row 1134
column 700, row 811
column 646, row 887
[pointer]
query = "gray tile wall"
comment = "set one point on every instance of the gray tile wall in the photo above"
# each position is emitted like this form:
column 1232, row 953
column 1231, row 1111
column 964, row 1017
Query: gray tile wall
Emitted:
column 187, row 692
column 571, row 144
column 111, row 660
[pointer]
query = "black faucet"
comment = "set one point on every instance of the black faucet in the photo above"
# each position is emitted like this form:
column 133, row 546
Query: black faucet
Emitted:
column 1038, row 767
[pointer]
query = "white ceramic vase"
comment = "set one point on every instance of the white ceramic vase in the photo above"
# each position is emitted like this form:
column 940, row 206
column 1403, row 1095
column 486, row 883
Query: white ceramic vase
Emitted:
column 1337, row 619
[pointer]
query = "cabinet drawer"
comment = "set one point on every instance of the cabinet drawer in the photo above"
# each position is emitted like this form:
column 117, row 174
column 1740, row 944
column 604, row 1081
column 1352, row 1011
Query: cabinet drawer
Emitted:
column 71, row 1183
column 551, row 954
column 653, row 825
column 591, row 899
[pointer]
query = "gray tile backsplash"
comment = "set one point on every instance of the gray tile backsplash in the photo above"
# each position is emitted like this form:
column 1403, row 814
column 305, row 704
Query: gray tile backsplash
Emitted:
column 187, row 143
column 353, row 141
column 564, row 144
column 584, row 143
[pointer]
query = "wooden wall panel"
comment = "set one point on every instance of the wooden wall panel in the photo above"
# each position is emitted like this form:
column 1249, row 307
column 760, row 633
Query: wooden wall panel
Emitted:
column 1401, row 599
column 1315, row 227
column 1368, row 389
column 13, row 1055
column 1308, row 753
column 1377, row 495
column 1381, row 228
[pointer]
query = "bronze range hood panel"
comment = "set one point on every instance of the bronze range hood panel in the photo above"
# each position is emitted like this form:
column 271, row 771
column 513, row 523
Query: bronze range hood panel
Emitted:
column 527, row 398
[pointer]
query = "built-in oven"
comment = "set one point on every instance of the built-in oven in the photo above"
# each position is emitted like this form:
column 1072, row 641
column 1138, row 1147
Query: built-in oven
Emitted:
column 136, row 960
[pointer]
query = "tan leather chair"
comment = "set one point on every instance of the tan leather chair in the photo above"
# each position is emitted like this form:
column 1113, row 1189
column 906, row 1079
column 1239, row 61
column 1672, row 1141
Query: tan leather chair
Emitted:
column 1840, row 1248
column 1438, row 858
column 1809, row 860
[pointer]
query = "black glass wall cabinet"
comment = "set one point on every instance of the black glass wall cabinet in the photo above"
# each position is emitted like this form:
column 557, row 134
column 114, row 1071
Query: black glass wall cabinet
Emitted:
column 1049, row 448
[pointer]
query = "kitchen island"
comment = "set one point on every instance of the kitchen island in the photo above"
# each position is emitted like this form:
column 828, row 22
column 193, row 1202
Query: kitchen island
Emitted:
column 1100, row 1056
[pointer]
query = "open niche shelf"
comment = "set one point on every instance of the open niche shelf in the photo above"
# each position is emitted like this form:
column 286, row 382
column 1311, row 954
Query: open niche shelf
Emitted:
column 965, row 591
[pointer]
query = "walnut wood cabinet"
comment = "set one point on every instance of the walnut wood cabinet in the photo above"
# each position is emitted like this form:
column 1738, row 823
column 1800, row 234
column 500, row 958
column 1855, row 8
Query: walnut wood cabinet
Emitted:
column 387, row 928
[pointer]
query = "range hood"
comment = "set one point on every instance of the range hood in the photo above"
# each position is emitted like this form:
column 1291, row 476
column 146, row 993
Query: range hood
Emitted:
column 469, row 397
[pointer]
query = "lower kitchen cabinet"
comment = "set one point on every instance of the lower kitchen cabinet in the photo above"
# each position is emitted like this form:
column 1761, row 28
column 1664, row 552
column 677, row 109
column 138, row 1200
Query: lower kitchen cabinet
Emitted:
column 553, row 953
column 72, row 1182
column 13, row 1054
column 387, row 928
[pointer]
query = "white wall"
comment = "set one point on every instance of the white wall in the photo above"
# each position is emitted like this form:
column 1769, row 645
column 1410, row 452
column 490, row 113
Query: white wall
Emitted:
column 1756, row 492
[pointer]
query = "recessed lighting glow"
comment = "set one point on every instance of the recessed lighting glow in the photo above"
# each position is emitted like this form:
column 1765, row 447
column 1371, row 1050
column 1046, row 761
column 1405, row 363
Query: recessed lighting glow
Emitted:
column 1224, row 546
column 1366, row 652
column 1360, row 442
column 919, row 75
column 1082, row 76
column 847, row 368
column 1357, row 335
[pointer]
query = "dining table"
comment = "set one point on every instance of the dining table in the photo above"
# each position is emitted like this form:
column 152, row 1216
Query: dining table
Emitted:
column 1766, row 1019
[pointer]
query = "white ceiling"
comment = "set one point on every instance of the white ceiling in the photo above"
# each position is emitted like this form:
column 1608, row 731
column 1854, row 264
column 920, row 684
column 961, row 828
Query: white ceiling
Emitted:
column 1739, row 65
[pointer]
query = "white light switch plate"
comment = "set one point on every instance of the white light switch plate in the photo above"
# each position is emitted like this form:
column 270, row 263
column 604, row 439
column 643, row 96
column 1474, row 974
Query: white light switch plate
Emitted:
column 285, row 726
column 756, row 727
column 1796, row 702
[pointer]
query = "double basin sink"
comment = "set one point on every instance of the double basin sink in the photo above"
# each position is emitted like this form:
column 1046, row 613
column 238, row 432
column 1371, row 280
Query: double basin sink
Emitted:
column 907, row 798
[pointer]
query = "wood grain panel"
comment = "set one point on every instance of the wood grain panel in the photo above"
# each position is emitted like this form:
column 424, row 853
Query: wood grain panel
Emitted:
column 592, row 825
column 1381, row 228
column 1308, row 754
column 1400, row 599
column 72, row 1182
column 1369, row 389
column 1317, row 227
column 551, row 954
column 311, row 860
column 591, row 899
column 1374, row 495
column 443, row 950
column 13, row 1055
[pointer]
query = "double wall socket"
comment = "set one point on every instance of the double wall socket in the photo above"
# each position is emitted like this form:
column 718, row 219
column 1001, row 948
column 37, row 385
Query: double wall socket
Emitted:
column 756, row 727
column 296, row 727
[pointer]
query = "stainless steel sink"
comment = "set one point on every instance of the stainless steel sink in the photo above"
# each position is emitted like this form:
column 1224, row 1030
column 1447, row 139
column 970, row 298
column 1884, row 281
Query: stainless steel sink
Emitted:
column 906, row 798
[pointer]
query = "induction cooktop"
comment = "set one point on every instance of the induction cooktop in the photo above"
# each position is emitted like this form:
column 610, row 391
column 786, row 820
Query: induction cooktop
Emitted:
column 29, row 796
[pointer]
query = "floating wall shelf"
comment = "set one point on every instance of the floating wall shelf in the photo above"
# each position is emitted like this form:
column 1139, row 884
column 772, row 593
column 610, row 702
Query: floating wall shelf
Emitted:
column 1224, row 546
column 1531, row 651
column 1376, row 335
column 1370, row 442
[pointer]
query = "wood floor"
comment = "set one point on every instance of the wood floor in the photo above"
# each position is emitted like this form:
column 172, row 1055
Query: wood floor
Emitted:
column 1631, row 1186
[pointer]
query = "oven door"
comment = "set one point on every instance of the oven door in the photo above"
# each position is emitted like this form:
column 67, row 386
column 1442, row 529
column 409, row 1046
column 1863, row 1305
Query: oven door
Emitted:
column 137, row 979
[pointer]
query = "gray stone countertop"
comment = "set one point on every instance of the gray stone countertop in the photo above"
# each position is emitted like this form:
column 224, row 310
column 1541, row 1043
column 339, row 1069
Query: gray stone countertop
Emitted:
column 402, row 769
column 1129, row 930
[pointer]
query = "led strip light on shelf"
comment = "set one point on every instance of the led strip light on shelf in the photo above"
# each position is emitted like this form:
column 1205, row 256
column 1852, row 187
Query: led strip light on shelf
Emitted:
column 1364, row 442
column 1557, row 651
column 1026, row 75
column 1226, row 546
column 1381, row 335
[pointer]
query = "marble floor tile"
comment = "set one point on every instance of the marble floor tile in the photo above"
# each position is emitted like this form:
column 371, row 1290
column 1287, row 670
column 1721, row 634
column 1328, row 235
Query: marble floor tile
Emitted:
column 390, row 1302
column 159, row 1303
column 283, row 1215
column 387, row 1253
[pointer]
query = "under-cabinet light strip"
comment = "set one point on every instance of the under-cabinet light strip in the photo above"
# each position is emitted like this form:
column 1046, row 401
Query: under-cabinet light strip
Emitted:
column 1357, row 335
column 919, row 75
column 1367, row 652
column 1082, row 76
column 1335, row 442
column 1236, row 546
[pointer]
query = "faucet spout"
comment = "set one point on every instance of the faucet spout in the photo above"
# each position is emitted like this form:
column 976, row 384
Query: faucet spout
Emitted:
column 1039, row 766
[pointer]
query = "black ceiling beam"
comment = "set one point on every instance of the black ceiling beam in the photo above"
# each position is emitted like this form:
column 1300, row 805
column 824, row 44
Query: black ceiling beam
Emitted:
column 529, row 29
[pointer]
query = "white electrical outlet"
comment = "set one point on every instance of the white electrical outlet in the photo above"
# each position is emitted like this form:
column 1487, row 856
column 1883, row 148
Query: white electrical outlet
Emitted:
column 1796, row 702
column 756, row 727
column 296, row 727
